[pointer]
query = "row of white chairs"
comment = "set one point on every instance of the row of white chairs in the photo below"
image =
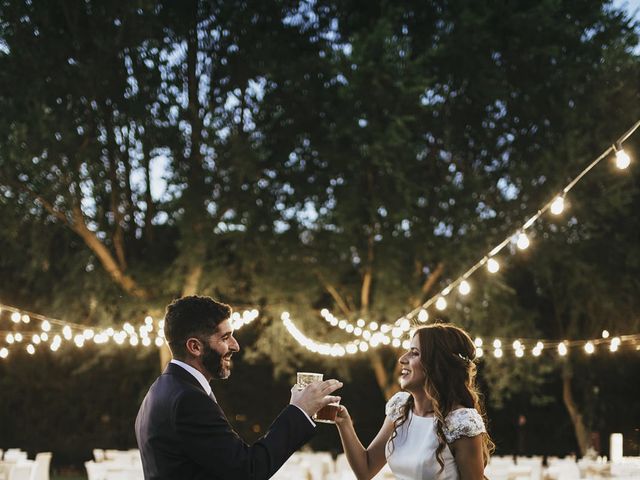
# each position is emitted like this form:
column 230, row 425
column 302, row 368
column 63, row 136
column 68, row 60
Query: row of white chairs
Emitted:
column 15, row 465
column 126, row 465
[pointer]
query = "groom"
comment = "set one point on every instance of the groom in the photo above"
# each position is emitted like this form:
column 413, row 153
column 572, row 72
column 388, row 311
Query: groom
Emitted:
column 181, row 430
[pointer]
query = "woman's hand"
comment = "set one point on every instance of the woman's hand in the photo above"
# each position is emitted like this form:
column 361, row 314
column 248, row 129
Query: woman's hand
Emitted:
column 343, row 417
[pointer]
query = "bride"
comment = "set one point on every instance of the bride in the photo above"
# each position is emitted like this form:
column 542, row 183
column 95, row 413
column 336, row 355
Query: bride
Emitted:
column 434, row 428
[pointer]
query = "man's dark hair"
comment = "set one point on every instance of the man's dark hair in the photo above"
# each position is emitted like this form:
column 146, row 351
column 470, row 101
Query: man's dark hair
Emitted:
column 192, row 316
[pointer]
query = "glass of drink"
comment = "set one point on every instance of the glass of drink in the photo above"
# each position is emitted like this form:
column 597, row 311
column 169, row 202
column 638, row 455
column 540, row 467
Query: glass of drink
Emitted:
column 326, row 414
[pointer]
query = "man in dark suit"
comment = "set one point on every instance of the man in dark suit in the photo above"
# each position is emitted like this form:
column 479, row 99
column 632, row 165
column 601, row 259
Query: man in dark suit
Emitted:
column 181, row 430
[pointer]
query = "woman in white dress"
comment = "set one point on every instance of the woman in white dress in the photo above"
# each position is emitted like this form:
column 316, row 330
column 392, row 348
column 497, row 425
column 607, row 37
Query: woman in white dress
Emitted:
column 434, row 428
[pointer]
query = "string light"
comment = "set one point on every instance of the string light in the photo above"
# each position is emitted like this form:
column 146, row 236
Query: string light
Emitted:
column 464, row 288
column 492, row 265
column 77, row 334
column 441, row 303
column 589, row 348
column 557, row 207
column 562, row 349
column 622, row 159
column 522, row 241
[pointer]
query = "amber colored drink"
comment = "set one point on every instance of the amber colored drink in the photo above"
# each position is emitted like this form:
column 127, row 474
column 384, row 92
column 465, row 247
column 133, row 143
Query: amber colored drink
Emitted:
column 327, row 414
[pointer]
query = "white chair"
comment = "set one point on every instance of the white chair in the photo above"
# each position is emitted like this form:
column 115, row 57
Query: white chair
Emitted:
column 21, row 471
column 41, row 466
column 15, row 455
column 94, row 470
column 98, row 454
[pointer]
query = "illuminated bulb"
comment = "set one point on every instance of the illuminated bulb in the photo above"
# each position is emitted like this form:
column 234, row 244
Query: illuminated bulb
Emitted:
column 360, row 322
column 363, row 346
column 146, row 341
column 562, row 349
column 615, row 343
column 519, row 353
column 589, row 348
column 88, row 334
column 492, row 265
column 342, row 324
column 558, row 205
column 405, row 325
column 479, row 352
column 35, row 339
column 18, row 337
column 523, row 241
column 324, row 312
column 15, row 317
column 441, row 303
column 373, row 326
column 349, row 328
column 464, row 287
column 4, row 353
column 517, row 345
column 384, row 328
column 10, row 338
column 423, row 316
column 497, row 353
column 46, row 326
column 357, row 331
column 133, row 341
column 622, row 159
column 284, row 316
column 539, row 346
column 366, row 334
column 536, row 352
column 161, row 323
column 352, row 348
column 406, row 344
column 31, row 349
column 396, row 342
column 497, row 343
column 386, row 340
column 159, row 341
column 605, row 333
column 66, row 331
column 26, row 318
column 148, row 320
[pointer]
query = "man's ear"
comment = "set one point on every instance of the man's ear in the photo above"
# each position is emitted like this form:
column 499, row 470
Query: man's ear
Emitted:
column 194, row 346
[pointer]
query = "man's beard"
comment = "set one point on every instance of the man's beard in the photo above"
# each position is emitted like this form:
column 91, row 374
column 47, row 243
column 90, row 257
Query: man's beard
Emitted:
column 213, row 362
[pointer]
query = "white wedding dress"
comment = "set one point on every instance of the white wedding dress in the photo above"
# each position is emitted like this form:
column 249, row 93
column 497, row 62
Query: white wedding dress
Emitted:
column 413, row 455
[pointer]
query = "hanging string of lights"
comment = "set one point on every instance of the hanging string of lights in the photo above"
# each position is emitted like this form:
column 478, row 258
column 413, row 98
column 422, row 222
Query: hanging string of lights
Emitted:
column 518, row 237
column 518, row 346
column 56, row 332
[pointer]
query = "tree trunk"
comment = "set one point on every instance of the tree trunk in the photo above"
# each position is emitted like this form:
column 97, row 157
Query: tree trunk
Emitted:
column 582, row 432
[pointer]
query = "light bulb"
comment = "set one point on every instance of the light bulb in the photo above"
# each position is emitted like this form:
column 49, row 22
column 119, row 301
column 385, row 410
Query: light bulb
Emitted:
column 558, row 205
column 562, row 349
column 479, row 352
column 4, row 353
column 492, row 265
column 441, row 303
column 464, row 287
column 519, row 353
column 523, row 241
column 622, row 159
column 31, row 349
column 46, row 326
column 589, row 348
column 497, row 343
column 478, row 342
column 497, row 353
column 423, row 316
column 15, row 317
column 605, row 334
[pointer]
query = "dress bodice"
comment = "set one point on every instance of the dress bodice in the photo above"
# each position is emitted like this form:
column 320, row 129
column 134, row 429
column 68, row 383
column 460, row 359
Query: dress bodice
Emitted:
column 412, row 453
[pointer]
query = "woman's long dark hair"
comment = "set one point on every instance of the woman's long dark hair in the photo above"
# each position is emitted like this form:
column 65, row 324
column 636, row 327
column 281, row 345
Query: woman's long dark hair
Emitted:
column 447, row 354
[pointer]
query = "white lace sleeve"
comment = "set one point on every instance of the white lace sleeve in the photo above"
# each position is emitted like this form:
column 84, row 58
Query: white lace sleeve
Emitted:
column 393, row 409
column 464, row 422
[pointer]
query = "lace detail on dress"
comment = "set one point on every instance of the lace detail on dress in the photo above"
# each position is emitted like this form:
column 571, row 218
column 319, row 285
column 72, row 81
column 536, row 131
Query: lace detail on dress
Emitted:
column 394, row 406
column 464, row 422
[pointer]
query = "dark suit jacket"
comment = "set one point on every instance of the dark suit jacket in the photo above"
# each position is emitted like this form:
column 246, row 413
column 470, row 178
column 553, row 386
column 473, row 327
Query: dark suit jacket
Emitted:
column 184, row 435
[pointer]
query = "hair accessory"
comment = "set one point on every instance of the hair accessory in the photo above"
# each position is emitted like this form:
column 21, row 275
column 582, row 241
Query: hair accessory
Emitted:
column 466, row 359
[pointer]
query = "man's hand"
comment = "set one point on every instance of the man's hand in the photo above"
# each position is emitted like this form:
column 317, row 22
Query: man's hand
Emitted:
column 315, row 396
